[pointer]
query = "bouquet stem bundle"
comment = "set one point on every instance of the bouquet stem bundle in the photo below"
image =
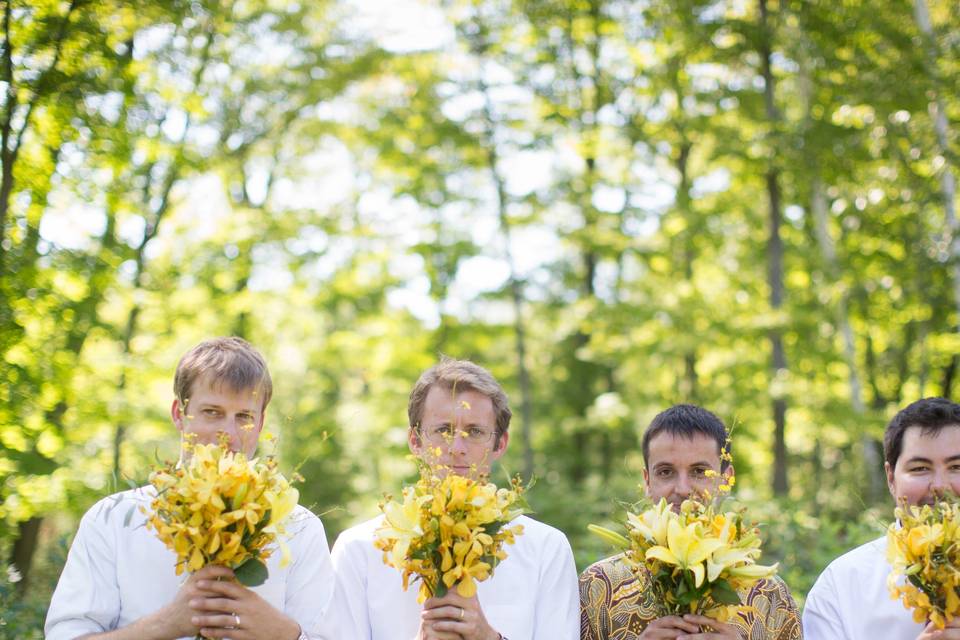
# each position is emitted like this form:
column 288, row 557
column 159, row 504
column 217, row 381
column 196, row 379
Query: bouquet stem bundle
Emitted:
column 696, row 559
column 924, row 551
column 219, row 507
column 449, row 531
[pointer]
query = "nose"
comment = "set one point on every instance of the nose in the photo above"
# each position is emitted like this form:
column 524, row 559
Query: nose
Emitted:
column 939, row 483
column 683, row 486
column 458, row 445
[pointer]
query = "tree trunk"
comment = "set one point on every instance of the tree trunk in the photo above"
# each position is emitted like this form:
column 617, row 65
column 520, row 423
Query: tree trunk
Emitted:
column 949, row 373
column 21, row 556
column 948, row 186
column 478, row 48
column 775, row 261
column 149, row 232
column 9, row 144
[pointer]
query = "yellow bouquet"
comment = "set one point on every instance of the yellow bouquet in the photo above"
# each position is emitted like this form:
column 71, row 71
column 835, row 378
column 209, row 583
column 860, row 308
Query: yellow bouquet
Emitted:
column 219, row 507
column 448, row 532
column 696, row 559
column 924, row 551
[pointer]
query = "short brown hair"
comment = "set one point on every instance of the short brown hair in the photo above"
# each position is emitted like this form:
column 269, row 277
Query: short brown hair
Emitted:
column 930, row 414
column 686, row 421
column 232, row 361
column 459, row 375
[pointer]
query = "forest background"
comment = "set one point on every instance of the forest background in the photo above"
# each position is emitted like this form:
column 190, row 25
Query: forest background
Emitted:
column 614, row 205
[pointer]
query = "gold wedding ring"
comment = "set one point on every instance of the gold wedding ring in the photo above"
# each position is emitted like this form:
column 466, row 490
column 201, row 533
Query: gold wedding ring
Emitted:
column 461, row 613
column 236, row 621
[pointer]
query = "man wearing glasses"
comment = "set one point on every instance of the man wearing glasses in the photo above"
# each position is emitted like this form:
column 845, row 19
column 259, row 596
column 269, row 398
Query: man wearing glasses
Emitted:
column 459, row 420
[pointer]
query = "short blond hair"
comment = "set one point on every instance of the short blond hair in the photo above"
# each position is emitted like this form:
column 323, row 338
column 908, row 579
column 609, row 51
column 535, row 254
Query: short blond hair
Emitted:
column 459, row 375
column 229, row 360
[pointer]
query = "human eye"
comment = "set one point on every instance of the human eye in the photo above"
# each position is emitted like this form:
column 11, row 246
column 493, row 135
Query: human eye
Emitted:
column 245, row 418
column 441, row 431
column 918, row 468
column 476, row 433
column 663, row 472
column 211, row 413
column 700, row 472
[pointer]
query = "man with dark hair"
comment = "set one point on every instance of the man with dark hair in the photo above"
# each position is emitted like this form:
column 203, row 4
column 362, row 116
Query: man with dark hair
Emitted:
column 851, row 600
column 686, row 454
column 459, row 423
column 119, row 581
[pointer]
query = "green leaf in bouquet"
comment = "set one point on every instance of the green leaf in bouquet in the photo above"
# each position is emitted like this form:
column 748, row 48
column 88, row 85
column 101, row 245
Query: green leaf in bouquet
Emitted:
column 251, row 573
column 723, row 593
column 688, row 596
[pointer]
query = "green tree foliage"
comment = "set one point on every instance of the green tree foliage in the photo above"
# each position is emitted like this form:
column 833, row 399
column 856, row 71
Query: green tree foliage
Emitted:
column 580, row 194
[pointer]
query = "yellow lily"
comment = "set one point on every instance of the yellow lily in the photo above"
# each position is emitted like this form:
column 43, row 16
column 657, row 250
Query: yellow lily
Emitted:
column 686, row 548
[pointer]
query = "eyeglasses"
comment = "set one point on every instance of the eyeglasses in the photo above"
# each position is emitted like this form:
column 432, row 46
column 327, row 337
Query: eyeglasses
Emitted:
column 444, row 434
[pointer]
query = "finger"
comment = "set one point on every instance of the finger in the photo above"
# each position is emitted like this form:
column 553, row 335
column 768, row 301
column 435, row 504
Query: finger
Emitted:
column 219, row 620
column 214, row 572
column 454, row 627
column 433, row 633
column 230, row 589
column 704, row 621
column 219, row 632
column 448, row 612
column 446, row 601
column 659, row 634
column 220, row 605
column 675, row 623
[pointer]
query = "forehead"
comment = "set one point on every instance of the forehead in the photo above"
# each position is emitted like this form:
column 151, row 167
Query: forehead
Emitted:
column 932, row 445
column 445, row 403
column 210, row 390
column 680, row 451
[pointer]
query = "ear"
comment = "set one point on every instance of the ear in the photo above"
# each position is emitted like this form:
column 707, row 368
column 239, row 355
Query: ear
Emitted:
column 501, row 447
column 728, row 472
column 176, row 414
column 262, row 420
column 646, row 481
column 891, row 483
column 414, row 441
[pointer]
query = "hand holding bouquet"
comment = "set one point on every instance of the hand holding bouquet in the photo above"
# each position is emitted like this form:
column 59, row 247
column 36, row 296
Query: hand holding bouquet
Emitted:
column 924, row 551
column 219, row 507
column 448, row 532
column 696, row 559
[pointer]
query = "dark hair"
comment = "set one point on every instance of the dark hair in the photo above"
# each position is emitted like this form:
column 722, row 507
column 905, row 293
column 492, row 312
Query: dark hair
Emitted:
column 686, row 421
column 231, row 361
column 930, row 414
column 460, row 375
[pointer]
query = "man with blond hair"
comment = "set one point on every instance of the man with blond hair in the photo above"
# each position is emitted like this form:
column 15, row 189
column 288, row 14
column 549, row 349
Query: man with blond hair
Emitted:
column 119, row 581
column 459, row 422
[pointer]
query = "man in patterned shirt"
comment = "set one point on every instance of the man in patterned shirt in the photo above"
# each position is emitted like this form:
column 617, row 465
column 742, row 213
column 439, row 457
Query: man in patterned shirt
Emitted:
column 680, row 446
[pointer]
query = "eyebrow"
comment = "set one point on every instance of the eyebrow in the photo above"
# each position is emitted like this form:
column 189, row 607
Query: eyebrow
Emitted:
column 214, row 405
column 953, row 458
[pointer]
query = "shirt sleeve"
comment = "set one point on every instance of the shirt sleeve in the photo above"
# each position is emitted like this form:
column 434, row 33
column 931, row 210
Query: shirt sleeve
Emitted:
column 350, row 597
column 558, row 600
column 821, row 617
column 783, row 620
column 87, row 597
column 594, row 606
column 311, row 581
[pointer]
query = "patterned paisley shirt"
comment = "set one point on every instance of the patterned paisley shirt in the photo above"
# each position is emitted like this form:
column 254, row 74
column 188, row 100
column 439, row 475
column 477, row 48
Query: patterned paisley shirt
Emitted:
column 615, row 604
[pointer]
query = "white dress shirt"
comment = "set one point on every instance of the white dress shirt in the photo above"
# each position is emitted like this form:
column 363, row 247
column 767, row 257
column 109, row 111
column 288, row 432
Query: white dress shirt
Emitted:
column 850, row 600
column 532, row 594
column 116, row 574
